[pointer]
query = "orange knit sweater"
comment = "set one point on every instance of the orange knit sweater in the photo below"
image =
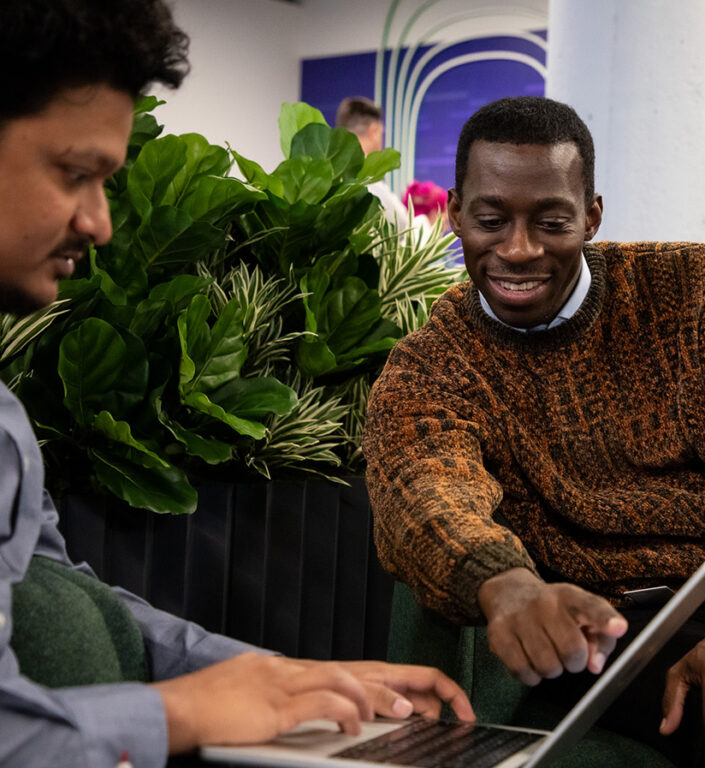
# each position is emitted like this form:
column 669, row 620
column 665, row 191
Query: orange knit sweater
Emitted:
column 588, row 438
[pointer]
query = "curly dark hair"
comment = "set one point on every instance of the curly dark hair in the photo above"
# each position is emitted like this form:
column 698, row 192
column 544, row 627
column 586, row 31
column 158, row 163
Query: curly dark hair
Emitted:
column 49, row 45
column 527, row 120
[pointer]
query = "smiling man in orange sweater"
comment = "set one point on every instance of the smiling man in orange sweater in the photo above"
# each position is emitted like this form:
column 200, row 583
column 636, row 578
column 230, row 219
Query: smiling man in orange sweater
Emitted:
column 537, row 449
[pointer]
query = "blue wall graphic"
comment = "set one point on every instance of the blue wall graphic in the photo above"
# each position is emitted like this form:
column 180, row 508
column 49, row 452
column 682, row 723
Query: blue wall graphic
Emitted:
column 476, row 71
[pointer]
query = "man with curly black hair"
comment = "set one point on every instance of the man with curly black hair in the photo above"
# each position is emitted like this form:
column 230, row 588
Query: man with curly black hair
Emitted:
column 70, row 71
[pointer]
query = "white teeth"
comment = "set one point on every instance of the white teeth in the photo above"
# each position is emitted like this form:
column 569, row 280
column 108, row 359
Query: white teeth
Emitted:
column 527, row 286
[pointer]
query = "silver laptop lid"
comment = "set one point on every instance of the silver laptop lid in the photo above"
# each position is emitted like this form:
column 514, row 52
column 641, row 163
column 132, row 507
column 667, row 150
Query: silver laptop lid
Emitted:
column 630, row 662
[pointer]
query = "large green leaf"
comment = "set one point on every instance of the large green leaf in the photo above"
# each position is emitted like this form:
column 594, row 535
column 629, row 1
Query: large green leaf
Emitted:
column 209, row 449
column 108, row 286
column 314, row 284
column 214, row 196
column 201, row 159
column 101, row 369
column 254, row 174
column 194, row 336
column 210, row 356
column 144, row 483
column 200, row 402
column 120, row 432
column 314, row 358
column 255, row 398
column 303, row 179
column 378, row 164
column 337, row 145
column 226, row 351
column 170, row 236
column 348, row 313
column 292, row 118
column 341, row 214
column 153, row 171
column 179, row 288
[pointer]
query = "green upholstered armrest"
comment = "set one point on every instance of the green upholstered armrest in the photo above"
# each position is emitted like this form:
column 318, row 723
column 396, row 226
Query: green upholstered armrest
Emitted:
column 419, row 636
column 70, row 629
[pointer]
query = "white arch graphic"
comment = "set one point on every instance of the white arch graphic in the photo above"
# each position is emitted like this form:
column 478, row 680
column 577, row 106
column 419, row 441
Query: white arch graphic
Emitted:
column 409, row 150
column 402, row 135
column 402, row 100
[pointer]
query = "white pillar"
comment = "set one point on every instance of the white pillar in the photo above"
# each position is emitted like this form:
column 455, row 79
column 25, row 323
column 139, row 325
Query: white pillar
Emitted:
column 634, row 70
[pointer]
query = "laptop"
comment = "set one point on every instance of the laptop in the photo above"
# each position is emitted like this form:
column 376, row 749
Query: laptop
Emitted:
column 426, row 743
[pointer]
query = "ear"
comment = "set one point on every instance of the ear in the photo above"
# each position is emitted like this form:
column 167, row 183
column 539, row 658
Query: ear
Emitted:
column 593, row 218
column 454, row 211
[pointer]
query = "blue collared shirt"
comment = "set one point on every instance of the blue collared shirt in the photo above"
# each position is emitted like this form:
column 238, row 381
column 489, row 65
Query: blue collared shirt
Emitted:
column 87, row 726
column 567, row 311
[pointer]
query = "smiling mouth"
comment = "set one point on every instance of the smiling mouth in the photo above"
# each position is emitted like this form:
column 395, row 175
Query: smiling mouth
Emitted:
column 526, row 285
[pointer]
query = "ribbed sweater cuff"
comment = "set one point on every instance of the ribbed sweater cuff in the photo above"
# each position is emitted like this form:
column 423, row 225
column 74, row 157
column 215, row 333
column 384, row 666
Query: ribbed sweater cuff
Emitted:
column 476, row 568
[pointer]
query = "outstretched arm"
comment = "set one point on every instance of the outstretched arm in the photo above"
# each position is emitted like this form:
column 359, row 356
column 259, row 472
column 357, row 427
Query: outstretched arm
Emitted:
column 431, row 493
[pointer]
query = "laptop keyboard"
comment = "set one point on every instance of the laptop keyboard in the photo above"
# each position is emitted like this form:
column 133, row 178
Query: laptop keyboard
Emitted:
column 436, row 744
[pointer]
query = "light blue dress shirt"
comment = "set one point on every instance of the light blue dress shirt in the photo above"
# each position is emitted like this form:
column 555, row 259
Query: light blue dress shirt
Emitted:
column 87, row 726
column 567, row 311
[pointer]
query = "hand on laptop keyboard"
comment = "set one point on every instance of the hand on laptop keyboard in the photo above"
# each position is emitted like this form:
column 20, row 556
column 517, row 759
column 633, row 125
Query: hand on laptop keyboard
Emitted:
column 252, row 698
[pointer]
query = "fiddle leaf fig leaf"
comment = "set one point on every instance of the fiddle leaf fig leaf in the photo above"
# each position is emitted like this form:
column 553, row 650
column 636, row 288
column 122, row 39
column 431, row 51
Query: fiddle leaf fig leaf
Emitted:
column 292, row 118
column 120, row 432
column 378, row 164
column 314, row 358
column 214, row 196
column 254, row 174
column 145, row 483
column 209, row 449
column 348, row 313
column 337, row 145
column 108, row 286
column 153, row 171
column 201, row 159
column 256, row 398
column 303, row 179
column 170, row 236
column 101, row 369
column 210, row 356
column 199, row 401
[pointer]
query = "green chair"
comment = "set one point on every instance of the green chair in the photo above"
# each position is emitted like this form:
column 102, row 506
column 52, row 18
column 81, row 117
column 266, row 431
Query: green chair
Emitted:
column 70, row 629
column 420, row 636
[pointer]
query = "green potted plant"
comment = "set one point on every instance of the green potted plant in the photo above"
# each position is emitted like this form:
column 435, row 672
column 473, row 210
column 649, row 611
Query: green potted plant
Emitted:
column 229, row 332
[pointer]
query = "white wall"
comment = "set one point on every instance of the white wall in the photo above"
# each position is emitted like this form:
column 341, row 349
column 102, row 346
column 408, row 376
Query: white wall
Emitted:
column 634, row 70
column 331, row 27
column 246, row 54
column 243, row 66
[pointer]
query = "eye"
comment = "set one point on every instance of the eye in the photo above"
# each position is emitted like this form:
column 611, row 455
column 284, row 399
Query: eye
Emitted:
column 76, row 175
column 554, row 224
column 491, row 223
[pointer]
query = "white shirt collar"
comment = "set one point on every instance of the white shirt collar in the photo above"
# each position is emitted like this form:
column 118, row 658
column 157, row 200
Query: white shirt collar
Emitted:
column 567, row 311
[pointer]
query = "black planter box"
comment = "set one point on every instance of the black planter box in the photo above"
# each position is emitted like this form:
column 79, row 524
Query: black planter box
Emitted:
column 290, row 566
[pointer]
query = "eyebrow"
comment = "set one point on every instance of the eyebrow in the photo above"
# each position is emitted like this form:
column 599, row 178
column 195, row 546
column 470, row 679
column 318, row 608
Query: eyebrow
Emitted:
column 496, row 201
column 103, row 163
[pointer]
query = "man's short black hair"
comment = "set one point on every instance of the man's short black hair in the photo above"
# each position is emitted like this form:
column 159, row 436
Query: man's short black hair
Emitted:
column 357, row 112
column 49, row 45
column 527, row 120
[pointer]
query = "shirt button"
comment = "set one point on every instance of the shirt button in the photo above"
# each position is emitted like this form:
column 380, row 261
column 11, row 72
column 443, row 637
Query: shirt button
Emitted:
column 3, row 620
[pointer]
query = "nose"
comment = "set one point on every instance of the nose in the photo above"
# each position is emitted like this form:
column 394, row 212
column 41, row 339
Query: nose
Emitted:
column 92, row 216
column 520, row 245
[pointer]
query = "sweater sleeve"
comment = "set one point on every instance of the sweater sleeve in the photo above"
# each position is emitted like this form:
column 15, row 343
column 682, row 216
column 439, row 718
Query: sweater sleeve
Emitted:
column 433, row 498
